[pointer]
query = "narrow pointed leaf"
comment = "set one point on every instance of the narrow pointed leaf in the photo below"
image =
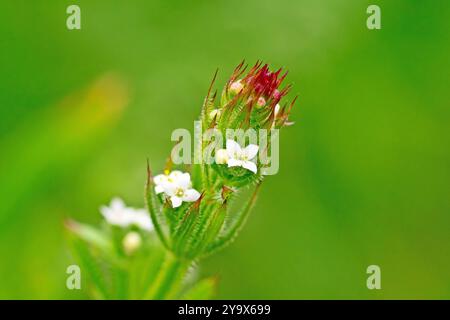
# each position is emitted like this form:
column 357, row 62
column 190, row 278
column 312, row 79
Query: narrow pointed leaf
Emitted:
column 231, row 232
column 155, row 208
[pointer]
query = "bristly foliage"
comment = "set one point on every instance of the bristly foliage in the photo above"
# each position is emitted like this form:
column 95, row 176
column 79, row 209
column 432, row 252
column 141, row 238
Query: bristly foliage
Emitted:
column 248, row 101
column 254, row 106
column 199, row 226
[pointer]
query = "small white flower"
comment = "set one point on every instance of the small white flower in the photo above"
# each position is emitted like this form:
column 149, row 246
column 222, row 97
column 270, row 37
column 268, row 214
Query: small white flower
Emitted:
column 221, row 156
column 178, row 186
column 131, row 242
column 118, row 214
column 236, row 87
column 181, row 190
column 238, row 157
column 161, row 179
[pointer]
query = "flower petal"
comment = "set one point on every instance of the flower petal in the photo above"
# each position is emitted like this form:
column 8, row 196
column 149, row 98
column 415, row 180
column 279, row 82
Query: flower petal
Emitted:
column 234, row 163
column 176, row 201
column 184, row 180
column 251, row 151
column 250, row 166
column 160, row 178
column 233, row 148
column 175, row 174
column 105, row 211
column 117, row 204
column 142, row 219
column 170, row 188
column 191, row 195
column 159, row 189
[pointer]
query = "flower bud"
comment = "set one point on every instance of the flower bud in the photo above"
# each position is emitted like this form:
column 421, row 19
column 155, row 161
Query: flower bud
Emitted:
column 277, row 109
column 261, row 102
column 221, row 156
column 131, row 242
column 236, row 87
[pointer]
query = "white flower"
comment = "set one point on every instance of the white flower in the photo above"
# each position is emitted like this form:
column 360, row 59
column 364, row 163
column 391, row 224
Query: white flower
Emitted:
column 236, row 87
column 118, row 214
column 131, row 242
column 141, row 219
column 178, row 186
column 161, row 179
column 238, row 157
column 181, row 191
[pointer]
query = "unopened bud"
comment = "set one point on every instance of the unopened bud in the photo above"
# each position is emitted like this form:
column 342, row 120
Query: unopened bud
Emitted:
column 221, row 156
column 277, row 109
column 261, row 102
column 131, row 242
column 236, row 87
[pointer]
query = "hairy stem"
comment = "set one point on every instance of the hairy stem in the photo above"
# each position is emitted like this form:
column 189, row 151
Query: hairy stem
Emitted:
column 169, row 278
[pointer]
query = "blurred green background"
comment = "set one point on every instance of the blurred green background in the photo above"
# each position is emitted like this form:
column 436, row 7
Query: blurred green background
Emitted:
column 365, row 172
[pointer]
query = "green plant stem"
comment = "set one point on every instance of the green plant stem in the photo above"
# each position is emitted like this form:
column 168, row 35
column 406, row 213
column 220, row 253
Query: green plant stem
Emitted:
column 169, row 278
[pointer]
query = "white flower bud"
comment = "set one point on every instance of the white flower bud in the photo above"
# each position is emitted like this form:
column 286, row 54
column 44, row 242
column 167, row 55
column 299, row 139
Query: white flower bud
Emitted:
column 221, row 156
column 131, row 242
column 236, row 87
column 277, row 109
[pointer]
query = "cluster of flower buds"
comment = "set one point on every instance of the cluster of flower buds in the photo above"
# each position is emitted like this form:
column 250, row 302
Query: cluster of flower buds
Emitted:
column 251, row 101
column 249, row 114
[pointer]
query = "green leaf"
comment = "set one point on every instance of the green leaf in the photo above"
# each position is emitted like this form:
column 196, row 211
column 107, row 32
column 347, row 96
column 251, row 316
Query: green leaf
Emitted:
column 119, row 279
column 231, row 231
column 208, row 104
column 192, row 242
column 169, row 278
column 91, row 235
column 211, row 228
column 203, row 290
column 185, row 228
column 144, row 269
column 155, row 209
column 92, row 264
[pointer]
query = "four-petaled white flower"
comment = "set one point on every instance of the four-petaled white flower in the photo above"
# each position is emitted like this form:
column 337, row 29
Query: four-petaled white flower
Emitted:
column 177, row 186
column 237, row 157
column 118, row 214
column 166, row 178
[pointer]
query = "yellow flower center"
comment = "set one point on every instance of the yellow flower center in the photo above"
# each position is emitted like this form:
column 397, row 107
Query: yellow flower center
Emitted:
column 179, row 192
